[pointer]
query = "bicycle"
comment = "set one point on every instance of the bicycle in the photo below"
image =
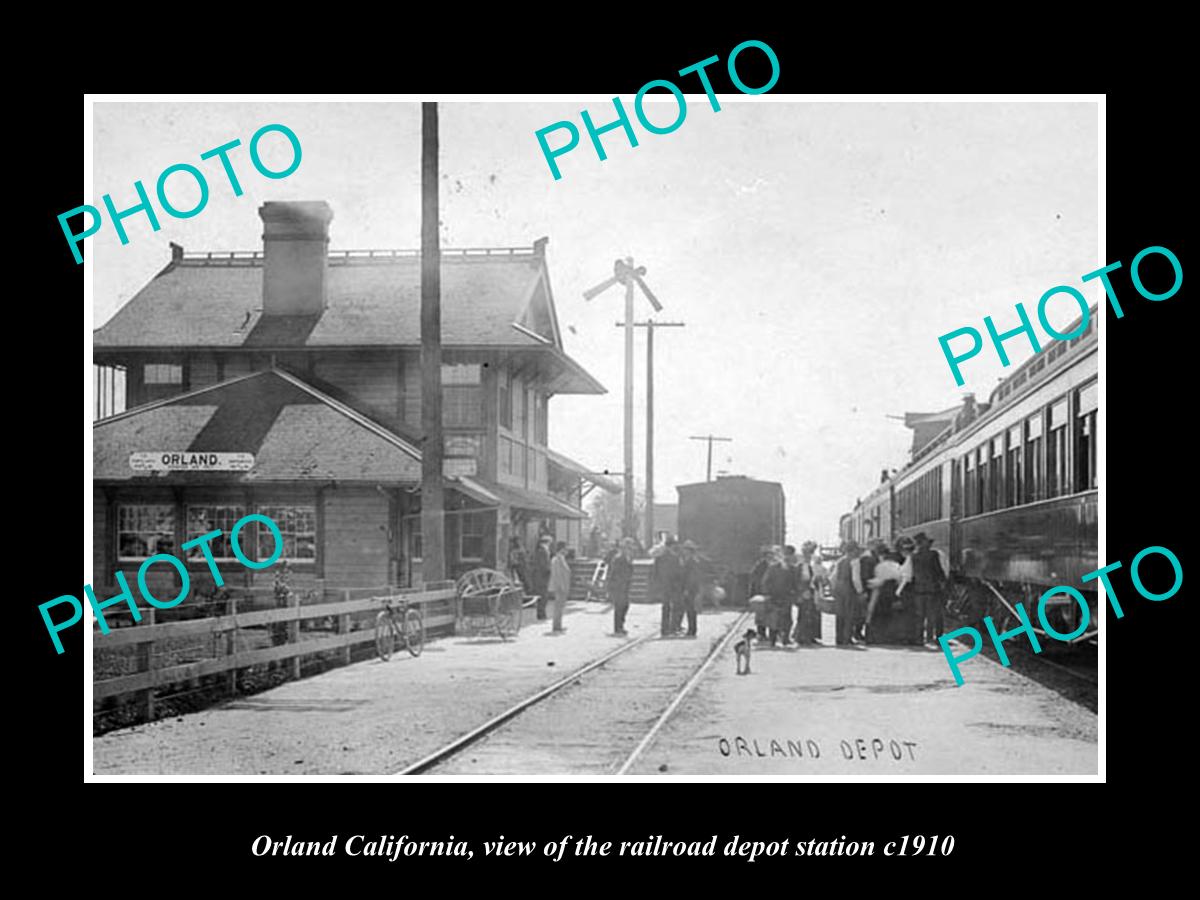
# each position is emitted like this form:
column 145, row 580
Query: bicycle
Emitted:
column 399, row 622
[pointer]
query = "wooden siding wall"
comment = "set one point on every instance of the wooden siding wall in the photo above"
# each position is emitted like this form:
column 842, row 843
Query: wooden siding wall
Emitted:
column 370, row 378
column 356, row 537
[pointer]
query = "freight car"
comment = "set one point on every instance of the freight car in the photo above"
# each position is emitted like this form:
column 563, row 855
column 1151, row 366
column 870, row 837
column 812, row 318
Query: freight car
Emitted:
column 1007, row 490
column 731, row 519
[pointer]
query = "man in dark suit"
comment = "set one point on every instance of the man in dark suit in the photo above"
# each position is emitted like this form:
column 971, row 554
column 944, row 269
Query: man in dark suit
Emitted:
column 539, row 573
column 666, row 580
column 846, row 588
column 693, row 584
column 620, row 577
column 924, row 576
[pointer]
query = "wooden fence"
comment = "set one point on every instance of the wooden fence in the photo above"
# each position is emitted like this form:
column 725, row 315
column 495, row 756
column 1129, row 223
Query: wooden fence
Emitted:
column 438, row 602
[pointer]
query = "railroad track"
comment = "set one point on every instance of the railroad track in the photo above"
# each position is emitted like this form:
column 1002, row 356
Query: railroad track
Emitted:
column 456, row 747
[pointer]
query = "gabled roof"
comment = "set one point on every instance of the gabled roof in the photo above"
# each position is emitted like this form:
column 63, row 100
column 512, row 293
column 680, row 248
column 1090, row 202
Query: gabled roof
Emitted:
column 295, row 432
column 209, row 300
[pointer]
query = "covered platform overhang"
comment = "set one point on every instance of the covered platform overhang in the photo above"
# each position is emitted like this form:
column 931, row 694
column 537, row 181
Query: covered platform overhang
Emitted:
column 591, row 479
column 494, row 495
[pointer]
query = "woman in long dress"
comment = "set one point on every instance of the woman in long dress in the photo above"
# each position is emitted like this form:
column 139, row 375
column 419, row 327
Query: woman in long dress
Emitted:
column 881, row 612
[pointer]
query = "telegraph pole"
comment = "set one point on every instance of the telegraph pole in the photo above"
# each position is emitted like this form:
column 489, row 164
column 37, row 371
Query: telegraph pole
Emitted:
column 710, row 438
column 650, row 325
column 630, row 523
column 624, row 273
column 433, row 559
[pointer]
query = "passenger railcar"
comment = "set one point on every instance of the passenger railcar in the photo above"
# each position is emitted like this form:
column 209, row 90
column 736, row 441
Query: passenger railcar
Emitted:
column 1008, row 495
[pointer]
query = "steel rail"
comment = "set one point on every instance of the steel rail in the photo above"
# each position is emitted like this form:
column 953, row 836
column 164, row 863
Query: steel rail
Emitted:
column 683, row 692
column 461, row 743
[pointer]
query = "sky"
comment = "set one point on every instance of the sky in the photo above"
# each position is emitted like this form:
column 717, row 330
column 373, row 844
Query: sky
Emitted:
column 815, row 251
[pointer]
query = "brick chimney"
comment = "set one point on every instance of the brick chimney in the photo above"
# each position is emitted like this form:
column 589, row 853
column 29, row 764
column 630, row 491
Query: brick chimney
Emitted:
column 295, row 256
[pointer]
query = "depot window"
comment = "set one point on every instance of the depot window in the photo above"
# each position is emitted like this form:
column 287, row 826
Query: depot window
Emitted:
column 462, row 395
column 540, row 426
column 145, row 529
column 506, row 400
column 518, row 410
column 415, row 545
column 297, row 525
column 470, row 537
column 204, row 519
column 158, row 373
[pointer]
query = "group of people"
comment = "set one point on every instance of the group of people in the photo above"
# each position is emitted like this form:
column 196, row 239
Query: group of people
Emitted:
column 676, row 581
column 785, row 579
column 546, row 574
column 881, row 595
column 888, row 595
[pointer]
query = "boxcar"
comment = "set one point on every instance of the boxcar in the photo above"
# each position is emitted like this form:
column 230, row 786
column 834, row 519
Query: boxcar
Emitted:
column 730, row 519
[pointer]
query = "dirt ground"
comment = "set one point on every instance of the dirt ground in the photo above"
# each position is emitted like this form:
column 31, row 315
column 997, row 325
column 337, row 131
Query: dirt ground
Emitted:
column 871, row 711
column 371, row 717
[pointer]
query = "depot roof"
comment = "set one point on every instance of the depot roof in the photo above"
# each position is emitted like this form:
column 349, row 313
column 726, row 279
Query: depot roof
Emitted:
column 294, row 431
column 492, row 298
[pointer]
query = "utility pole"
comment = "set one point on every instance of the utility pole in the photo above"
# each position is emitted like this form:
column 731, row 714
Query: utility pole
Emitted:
column 650, row 325
column 433, row 558
column 710, row 438
column 624, row 273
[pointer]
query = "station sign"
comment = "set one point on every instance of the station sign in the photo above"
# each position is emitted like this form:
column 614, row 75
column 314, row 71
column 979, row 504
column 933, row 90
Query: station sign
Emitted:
column 455, row 467
column 189, row 461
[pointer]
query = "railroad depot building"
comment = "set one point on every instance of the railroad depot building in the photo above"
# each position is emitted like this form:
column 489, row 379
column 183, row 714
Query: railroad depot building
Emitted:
column 287, row 382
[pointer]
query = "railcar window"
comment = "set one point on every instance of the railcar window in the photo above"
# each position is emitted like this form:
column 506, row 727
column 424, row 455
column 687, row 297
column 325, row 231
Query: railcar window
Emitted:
column 997, row 471
column 969, row 485
column 1057, row 482
column 1085, row 437
column 981, row 463
column 1033, row 458
column 1012, row 469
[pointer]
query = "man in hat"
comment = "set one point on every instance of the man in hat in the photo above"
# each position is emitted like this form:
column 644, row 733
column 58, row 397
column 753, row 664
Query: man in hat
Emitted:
column 791, row 563
column 776, row 586
column 924, row 576
column 666, row 580
column 560, row 585
column 539, row 573
column 846, row 590
column 620, row 577
column 693, row 584
column 765, row 557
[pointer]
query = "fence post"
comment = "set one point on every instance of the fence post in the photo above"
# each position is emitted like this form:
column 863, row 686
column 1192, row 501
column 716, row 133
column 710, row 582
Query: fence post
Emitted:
column 145, row 663
column 293, row 631
column 231, row 637
column 343, row 627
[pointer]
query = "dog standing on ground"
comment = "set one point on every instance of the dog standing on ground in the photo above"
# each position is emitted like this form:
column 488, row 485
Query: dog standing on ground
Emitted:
column 742, row 649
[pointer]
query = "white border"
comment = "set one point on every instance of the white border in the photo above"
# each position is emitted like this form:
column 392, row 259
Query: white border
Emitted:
column 89, row 307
